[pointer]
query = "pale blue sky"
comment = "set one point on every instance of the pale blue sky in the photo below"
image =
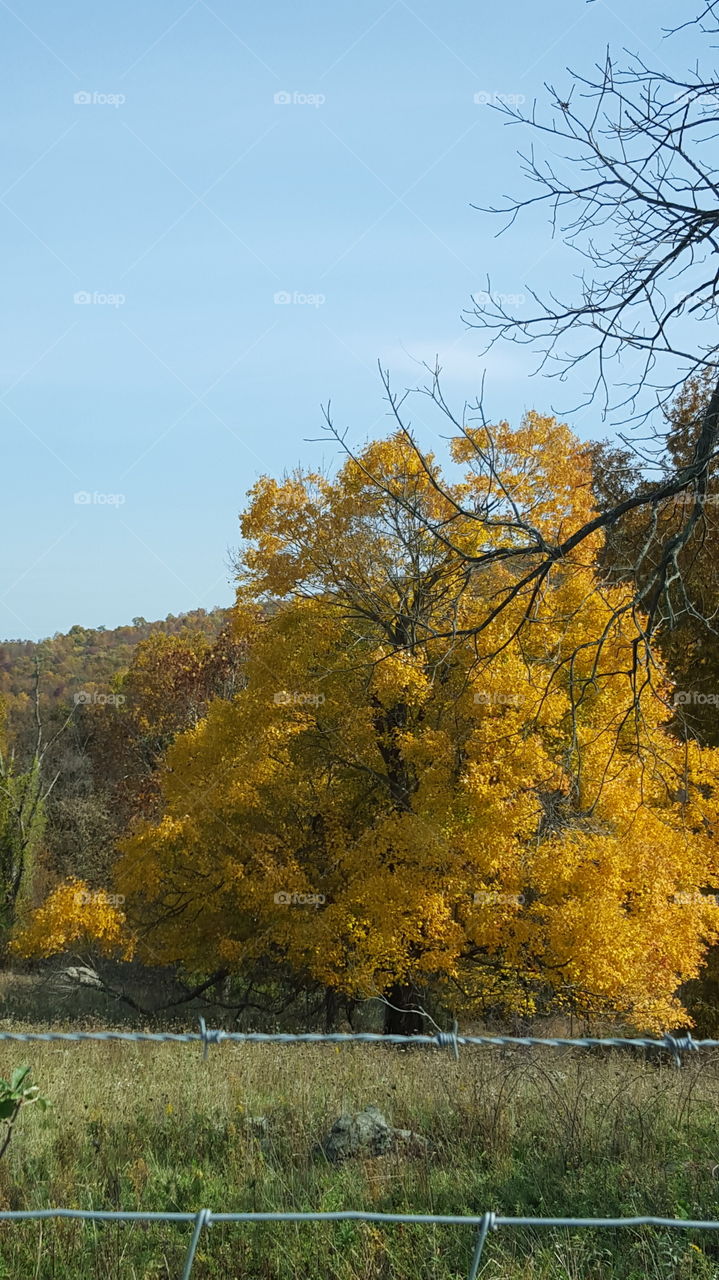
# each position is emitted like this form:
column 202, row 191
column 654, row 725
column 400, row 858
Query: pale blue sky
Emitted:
column 197, row 199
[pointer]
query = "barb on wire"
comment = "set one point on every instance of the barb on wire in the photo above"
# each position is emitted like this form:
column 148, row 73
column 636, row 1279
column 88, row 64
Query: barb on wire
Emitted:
column 449, row 1040
column 677, row 1044
column 209, row 1037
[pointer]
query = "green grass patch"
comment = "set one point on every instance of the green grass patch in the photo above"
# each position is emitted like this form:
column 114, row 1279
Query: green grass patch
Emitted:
column 543, row 1133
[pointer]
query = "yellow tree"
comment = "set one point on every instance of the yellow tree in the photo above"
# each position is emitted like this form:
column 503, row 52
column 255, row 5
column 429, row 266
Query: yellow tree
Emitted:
column 399, row 800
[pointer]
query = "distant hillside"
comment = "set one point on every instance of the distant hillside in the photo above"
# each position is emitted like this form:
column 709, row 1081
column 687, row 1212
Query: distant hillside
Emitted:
column 100, row 755
column 86, row 655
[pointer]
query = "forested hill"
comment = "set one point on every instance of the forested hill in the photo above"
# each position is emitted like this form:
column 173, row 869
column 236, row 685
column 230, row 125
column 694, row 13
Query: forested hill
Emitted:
column 87, row 656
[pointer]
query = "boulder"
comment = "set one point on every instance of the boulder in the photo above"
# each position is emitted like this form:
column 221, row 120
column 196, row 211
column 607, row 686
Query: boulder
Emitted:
column 368, row 1133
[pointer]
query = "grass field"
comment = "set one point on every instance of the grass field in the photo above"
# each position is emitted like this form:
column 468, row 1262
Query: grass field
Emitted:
column 539, row 1132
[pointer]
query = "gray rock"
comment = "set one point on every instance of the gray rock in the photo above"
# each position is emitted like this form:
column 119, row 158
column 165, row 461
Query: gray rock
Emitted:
column 257, row 1125
column 362, row 1133
column 80, row 975
column 367, row 1133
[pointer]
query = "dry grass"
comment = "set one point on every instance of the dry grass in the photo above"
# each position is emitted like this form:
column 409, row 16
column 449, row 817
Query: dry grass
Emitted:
column 540, row 1132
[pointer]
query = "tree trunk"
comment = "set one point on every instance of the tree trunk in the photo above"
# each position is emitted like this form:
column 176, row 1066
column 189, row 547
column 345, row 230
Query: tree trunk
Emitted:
column 400, row 1016
column 332, row 1009
column 222, row 989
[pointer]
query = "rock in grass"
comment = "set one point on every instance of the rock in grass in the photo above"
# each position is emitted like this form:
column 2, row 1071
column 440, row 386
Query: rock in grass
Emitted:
column 258, row 1127
column 368, row 1133
column 362, row 1133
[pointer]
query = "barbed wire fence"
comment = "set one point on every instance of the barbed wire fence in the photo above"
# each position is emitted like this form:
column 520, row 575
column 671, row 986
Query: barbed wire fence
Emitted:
column 452, row 1040
column 483, row 1223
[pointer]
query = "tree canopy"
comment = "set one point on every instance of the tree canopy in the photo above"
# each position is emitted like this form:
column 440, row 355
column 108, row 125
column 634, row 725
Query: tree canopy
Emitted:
column 381, row 812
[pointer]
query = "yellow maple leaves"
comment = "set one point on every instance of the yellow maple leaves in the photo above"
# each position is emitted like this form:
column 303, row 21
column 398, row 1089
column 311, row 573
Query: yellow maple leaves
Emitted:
column 397, row 797
column 74, row 914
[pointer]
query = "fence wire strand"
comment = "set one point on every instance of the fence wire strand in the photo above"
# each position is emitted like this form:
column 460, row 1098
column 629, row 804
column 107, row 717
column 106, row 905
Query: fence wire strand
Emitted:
column 483, row 1223
column 207, row 1036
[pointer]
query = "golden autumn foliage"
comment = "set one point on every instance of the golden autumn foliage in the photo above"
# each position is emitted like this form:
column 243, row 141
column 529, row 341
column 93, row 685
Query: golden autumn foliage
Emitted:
column 72, row 915
column 389, row 801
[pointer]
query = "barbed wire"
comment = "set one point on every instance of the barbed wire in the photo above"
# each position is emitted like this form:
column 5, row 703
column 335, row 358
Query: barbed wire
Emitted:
column 485, row 1222
column 452, row 1040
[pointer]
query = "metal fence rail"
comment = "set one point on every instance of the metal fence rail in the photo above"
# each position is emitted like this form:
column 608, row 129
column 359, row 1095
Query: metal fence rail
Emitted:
column 484, row 1223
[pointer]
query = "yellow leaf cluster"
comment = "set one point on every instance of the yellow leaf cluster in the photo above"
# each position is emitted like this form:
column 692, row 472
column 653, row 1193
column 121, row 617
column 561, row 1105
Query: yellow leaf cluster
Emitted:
column 74, row 914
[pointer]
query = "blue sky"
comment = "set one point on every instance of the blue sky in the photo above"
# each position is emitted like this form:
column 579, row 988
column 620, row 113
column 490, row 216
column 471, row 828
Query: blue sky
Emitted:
column 156, row 199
